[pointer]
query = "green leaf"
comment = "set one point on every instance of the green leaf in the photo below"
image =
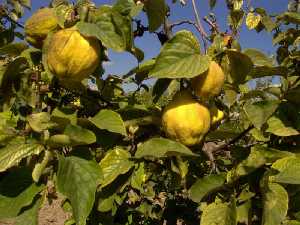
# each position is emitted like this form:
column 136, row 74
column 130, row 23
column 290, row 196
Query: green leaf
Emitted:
column 263, row 71
column 15, row 151
column 237, row 66
column 128, row 7
column 105, row 21
column 180, row 58
column 109, row 120
column 79, row 135
column 16, row 192
column 291, row 17
column 162, row 147
column 278, row 127
column 243, row 211
column 291, row 222
column 258, row 58
column 258, row 157
column 156, row 11
column 30, row 215
column 219, row 213
column 275, row 204
column 13, row 49
column 40, row 121
column 115, row 163
column 40, row 166
column 205, row 186
column 78, row 179
column 288, row 170
column 259, row 112
column 138, row 177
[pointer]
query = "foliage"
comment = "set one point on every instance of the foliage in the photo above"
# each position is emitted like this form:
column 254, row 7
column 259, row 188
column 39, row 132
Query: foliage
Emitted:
column 103, row 148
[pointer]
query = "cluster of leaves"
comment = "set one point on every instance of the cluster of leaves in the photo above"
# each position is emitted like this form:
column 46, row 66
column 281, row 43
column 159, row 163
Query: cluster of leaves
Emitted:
column 103, row 149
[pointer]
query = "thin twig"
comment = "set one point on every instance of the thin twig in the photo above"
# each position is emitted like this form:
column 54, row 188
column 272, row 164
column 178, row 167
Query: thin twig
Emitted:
column 201, row 29
column 211, row 148
column 214, row 26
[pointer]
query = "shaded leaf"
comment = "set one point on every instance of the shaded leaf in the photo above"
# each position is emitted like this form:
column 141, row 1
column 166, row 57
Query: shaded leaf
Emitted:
column 156, row 11
column 237, row 66
column 13, row 49
column 275, row 204
column 79, row 135
column 206, row 185
column 180, row 58
column 115, row 163
column 162, row 147
column 78, row 179
column 259, row 112
column 40, row 121
column 219, row 213
column 30, row 215
column 16, row 192
column 109, row 120
column 291, row 17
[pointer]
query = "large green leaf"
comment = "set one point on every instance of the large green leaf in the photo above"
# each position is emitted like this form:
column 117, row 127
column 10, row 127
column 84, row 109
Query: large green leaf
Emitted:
column 30, row 215
column 104, row 27
column 205, row 185
column 258, row 156
column 15, row 151
column 259, row 112
column 258, row 58
column 288, row 170
column 78, row 179
column 162, row 147
column 115, row 163
column 156, row 12
column 109, row 120
column 17, row 191
column 79, row 135
column 237, row 66
column 180, row 58
column 278, row 127
column 275, row 204
column 219, row 213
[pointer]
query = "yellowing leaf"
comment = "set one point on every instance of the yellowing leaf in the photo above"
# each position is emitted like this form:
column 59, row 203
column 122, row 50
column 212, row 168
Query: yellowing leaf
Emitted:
column 252, row 20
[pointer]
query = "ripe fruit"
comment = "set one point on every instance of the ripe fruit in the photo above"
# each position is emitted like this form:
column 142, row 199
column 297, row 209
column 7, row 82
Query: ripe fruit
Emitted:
column 39, row 25
column 185, row 120
column 210, row 82
column 72, row 56
column 216, row 115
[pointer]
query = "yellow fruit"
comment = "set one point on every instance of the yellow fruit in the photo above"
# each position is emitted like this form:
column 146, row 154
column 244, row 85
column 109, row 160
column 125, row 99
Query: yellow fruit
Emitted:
column 185, row 120
column 209, row 83
column 216, row 115
column 38, row 26
column 72, row 56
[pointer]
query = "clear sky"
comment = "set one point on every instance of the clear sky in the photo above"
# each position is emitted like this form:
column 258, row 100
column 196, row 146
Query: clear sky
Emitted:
column 121, row 63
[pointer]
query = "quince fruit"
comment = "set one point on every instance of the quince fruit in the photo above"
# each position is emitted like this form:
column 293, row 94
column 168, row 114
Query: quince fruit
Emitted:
column 216, row 115
column 186, row 120
column 210, row 82
column 72, row 56
column 39, row 25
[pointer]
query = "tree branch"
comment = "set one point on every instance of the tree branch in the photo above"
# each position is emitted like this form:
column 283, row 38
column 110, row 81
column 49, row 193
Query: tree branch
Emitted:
column 211, row 148
column 199, row 25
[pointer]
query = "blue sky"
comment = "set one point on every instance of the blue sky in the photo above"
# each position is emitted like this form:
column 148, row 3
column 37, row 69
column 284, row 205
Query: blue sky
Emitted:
column 123, row 62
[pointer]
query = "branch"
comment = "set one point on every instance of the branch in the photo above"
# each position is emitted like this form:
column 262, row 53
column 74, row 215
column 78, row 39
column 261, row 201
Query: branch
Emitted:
column 199, row 25
column 211, row 148
column 214, row 25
